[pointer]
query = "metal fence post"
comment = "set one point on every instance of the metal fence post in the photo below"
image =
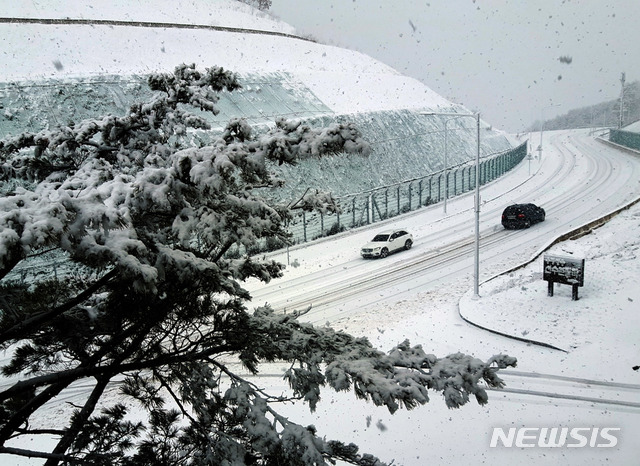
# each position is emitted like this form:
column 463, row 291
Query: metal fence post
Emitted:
column 386, row 203
column 353, row 209
column 455, row 182
column 304, row 225
column 462, row 179
column 367, row 210
column 374, row 206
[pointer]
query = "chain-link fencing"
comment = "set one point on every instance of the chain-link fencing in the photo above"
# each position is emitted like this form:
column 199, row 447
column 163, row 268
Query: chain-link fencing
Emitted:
column 388, row 201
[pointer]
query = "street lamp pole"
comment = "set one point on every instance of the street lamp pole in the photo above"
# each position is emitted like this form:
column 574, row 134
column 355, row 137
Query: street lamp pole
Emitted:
column 542, row 129
column 476, row 208
column 476, row 262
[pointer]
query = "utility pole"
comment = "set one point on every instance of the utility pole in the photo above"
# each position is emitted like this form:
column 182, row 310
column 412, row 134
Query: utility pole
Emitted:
column 622, row 79
column 476, row 197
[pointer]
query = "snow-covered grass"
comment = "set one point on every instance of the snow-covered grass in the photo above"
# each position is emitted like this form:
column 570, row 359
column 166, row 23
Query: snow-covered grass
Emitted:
column 226, row 13
column 601, row 327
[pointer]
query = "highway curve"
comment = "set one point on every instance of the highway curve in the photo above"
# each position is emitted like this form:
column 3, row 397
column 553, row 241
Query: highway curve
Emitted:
column 578, row 179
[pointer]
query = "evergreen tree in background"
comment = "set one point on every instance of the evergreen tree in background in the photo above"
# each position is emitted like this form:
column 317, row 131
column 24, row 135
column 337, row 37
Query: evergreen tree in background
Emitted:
column 145, row 307
column 602, row 115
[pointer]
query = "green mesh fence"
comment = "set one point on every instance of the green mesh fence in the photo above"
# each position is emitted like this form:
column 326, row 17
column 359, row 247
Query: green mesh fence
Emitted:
column 625, row 138
column 389, row 201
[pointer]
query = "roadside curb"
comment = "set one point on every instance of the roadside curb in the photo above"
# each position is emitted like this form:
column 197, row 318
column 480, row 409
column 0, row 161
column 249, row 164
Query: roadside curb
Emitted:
column 576, row 233
column 506, row 335
column 570, row 235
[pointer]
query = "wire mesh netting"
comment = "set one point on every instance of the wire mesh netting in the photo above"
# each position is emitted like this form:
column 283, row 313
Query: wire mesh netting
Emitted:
column 388, row 201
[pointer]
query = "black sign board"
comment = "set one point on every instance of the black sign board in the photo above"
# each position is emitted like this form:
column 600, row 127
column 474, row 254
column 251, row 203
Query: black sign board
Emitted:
column 564, row 270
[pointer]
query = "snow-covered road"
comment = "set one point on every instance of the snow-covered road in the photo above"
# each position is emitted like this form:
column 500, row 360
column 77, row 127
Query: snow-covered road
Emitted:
column 418, row 295
column 577, row 180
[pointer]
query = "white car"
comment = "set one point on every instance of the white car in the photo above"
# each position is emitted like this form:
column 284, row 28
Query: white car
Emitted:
column 386, row 242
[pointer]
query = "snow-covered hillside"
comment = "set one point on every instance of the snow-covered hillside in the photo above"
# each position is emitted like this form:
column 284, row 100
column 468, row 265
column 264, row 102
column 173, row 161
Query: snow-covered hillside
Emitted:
column 54, row 73
column 346, row 81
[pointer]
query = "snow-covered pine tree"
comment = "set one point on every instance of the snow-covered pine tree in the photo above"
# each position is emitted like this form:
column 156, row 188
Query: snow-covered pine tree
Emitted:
column 150, row 303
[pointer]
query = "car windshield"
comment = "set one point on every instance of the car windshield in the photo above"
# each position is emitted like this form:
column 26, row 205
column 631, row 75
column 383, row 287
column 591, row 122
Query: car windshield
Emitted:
column 380, row 238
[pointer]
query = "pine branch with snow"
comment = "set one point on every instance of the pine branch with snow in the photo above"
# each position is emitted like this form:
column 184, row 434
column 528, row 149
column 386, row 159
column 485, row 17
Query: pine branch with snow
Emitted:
column 141, row 289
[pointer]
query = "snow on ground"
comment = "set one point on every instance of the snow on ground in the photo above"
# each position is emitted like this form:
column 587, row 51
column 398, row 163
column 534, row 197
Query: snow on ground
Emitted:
column 599, row 334
column 226, row 13
column 599, row 331
column 633, row 127
column 602, row 326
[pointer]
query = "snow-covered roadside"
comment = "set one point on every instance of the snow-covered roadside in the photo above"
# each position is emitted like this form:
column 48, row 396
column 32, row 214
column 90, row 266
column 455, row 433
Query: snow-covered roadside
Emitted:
column 599, row 331
column 601, row 328
column 345, row 80
column 434, row 434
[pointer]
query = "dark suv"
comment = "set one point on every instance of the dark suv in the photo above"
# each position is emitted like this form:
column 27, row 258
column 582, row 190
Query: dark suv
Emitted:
column 522, row 216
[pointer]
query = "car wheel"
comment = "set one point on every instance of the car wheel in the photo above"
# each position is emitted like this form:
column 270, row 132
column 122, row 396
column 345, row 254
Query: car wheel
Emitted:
column 527, row 224
column 407, row 244
column 384, row 252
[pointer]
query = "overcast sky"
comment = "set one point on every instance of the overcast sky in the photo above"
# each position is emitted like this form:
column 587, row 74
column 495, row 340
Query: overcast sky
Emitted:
column 512, row 60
